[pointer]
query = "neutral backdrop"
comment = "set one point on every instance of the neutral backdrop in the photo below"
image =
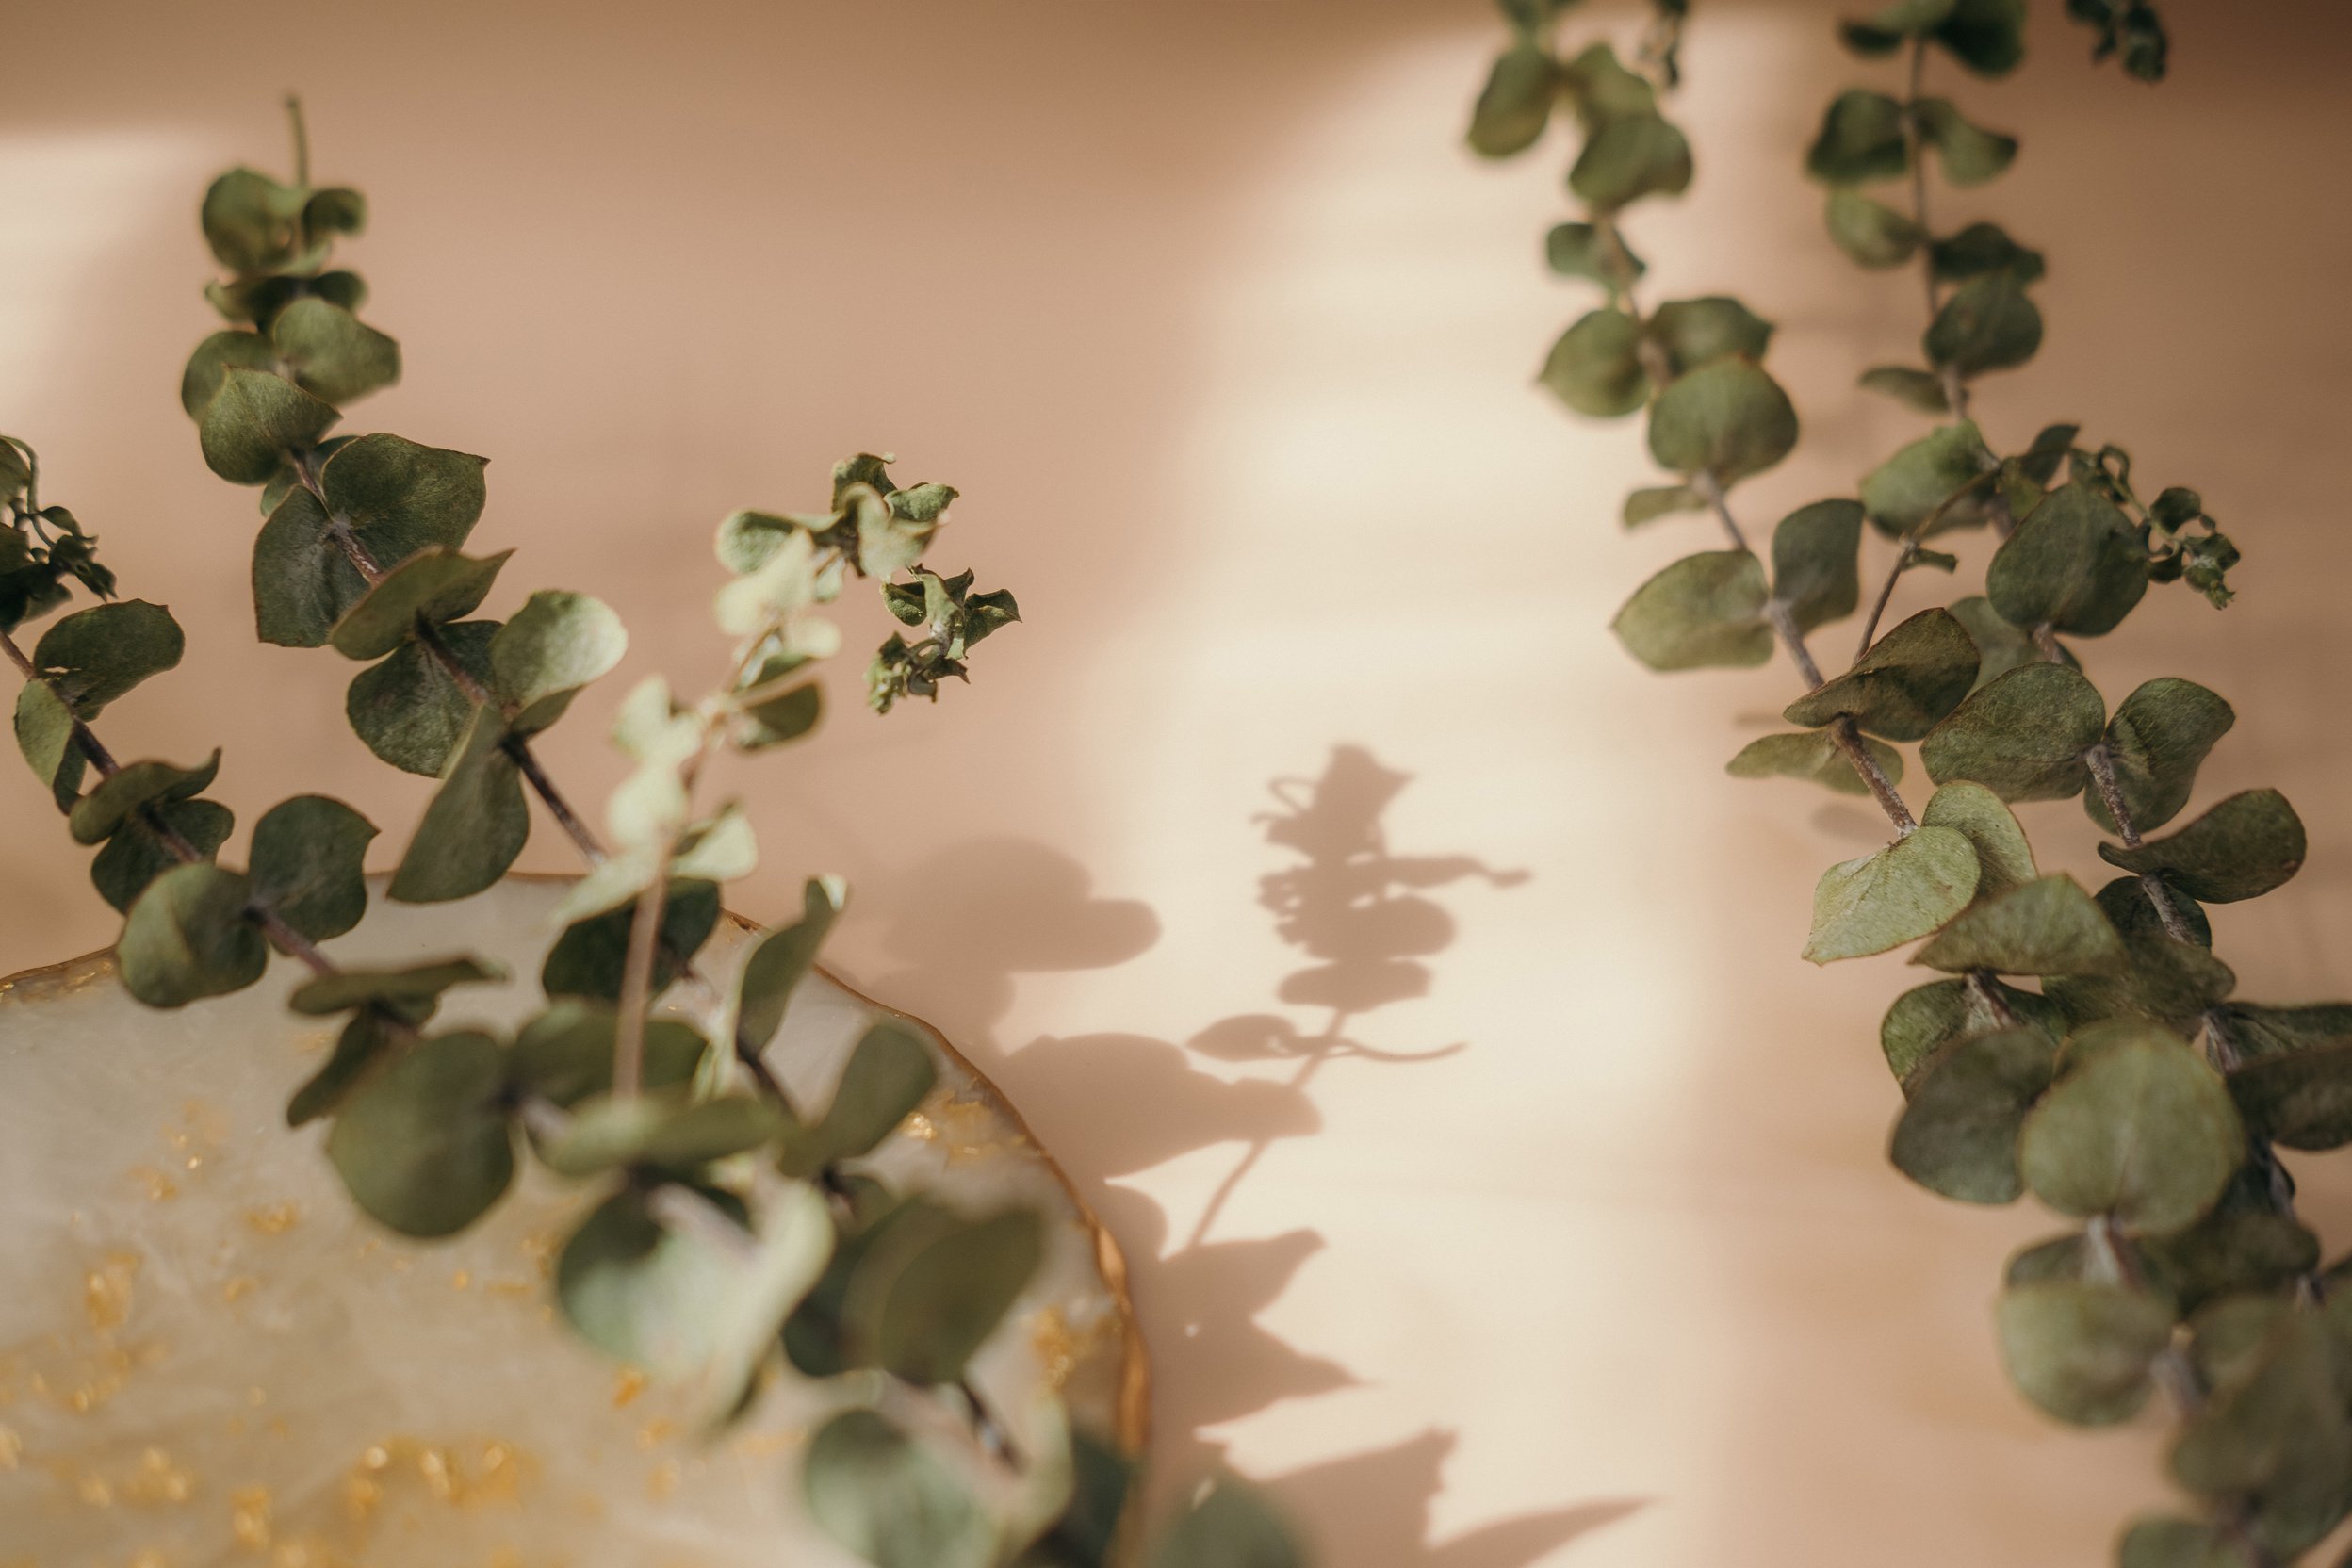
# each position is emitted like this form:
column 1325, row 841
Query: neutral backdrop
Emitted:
column 1229, row 344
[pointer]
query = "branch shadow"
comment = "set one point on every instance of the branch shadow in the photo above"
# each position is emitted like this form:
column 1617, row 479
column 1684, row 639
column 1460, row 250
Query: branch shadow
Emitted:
column 969, row 920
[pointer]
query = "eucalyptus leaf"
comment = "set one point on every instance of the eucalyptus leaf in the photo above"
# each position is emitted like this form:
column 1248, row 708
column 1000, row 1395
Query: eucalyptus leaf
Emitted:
column 1902, row 493
column 2181, row 1544
column 1871, row 233
column 2143, row 1131
column 1582, row 250
column 2004, row 859
column 1958, row 1132
column 254, row 420
column 410, row 710
column 136, row 853
column 2001, row 647
column 1594, row 367
column 1517, row 102
column 475, row 825
column 1983, row 247
column 401, row 988
column 775, row 714
column 2075, row 563
column 2242, row 848
column 1971, row 154
column 2082, row 1351
column 44, row 734
column 557, row 644
column 2274, row 1427
column 1900, row 894
column 780, row 959
column 1985, row 35
column 2261, row 1031
column 249, row 221
column 2022, row 736
column 928, row 1295
column 641, row 1292
column 394, row 497
column 307, row 864
column 434, row 586
column 2156, row 742
column 95, row 656
column 1630, row 156
column 1706, row 610
column 1910, row 677
column 586, row 960
column 1861, row 140
column 1230, row 1525
column 140, row 785
column 2166, row 980
column 2303, row 1100
column 331, row 353
column 424, row 1146
column 367, row 1040
column 2047, row 926
column 189, row 937
column 1816, row 562
column 1920, row 390
column 221, row 352
column 1664, row 500
column 1988, row 324
column 1727, row 419
column 1692, row 332
column 565, row 1054
column 888, row 1075
column 793, row 1243
column 1927, row 1019
column 1812, row 755
column 890, row 1500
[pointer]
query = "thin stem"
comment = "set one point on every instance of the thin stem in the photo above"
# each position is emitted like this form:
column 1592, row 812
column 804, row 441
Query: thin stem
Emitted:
column 1909, row 551
column 2102, row 768
column 644, row 941
column 1955, row 386
column 302, row 139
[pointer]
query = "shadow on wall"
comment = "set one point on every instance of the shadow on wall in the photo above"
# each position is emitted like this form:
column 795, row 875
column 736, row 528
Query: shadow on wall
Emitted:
column 1114, row 1105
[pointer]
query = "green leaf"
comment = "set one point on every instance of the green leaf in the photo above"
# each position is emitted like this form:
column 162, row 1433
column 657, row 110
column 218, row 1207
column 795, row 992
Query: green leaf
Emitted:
column 337, row 209
column 2047, row 926
column 222, row 352
column 1594, row 367
column 1699, row 331
column 1815, row 565
column 1910, row 677
column 1988, row 324
column 45, row 733
column 1517, row 102
column 331, row 353
column 1971, row 154
column 2004, row 858
column 396, row 497
column 98, row 813
column 2242, row 848
column 2023, row 736
column 1581, row 250
column 1861, row 140
column 565, row 1054
column 586, row 960
column 424, row 1146
column 890, row 1500
column 2167, row 981
column 1728, row 419
column 406, row 987
column 2226, row 1253
column 188, row 937
column 555, row 645
column 2001, row 647
column 885, row 1078
column 1663, row 500
column 1900, row 494
column 409, row 709
column 136, row 855
column 643, row 1293
column 475, row 825
column 2158, row 739
column 367, row 1040
column 1603, row 90
column 2082, row 1351
column 1230, row 1525
column 1812, row 755
column 250, row 221
column 2142, row 1130
column 254, row 420
column 1986, row 36
column 2180, row 1544
column 2261, row 1031
column 771, row 720
column 1885, row 33
column 2274, row 1427
column 2075, row 563
column 934, row 1287
column 780, row 959
column 432, row 587
column 1706, row 610
column 1958, row 1132
column 1630, row 156
column 2303, row 1099
column 1900, row 894
column 95, row 656
column 307, row 864
column 1872, row 232
column 749, row 540
column 718, row 848
column 1926, row 1018
column 1983, row 247
column 1920, row 390
column 794, row 1241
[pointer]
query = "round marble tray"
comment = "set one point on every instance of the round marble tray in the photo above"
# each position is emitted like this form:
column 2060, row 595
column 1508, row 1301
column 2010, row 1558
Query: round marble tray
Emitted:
column 208, row 1356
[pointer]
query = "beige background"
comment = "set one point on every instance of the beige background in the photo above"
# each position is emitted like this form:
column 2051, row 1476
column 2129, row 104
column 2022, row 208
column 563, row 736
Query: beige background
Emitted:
column 1228, row 344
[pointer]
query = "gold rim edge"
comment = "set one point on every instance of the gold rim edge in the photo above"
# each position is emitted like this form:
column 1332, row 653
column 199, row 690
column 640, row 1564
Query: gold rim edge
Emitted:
column 1133, row 1405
